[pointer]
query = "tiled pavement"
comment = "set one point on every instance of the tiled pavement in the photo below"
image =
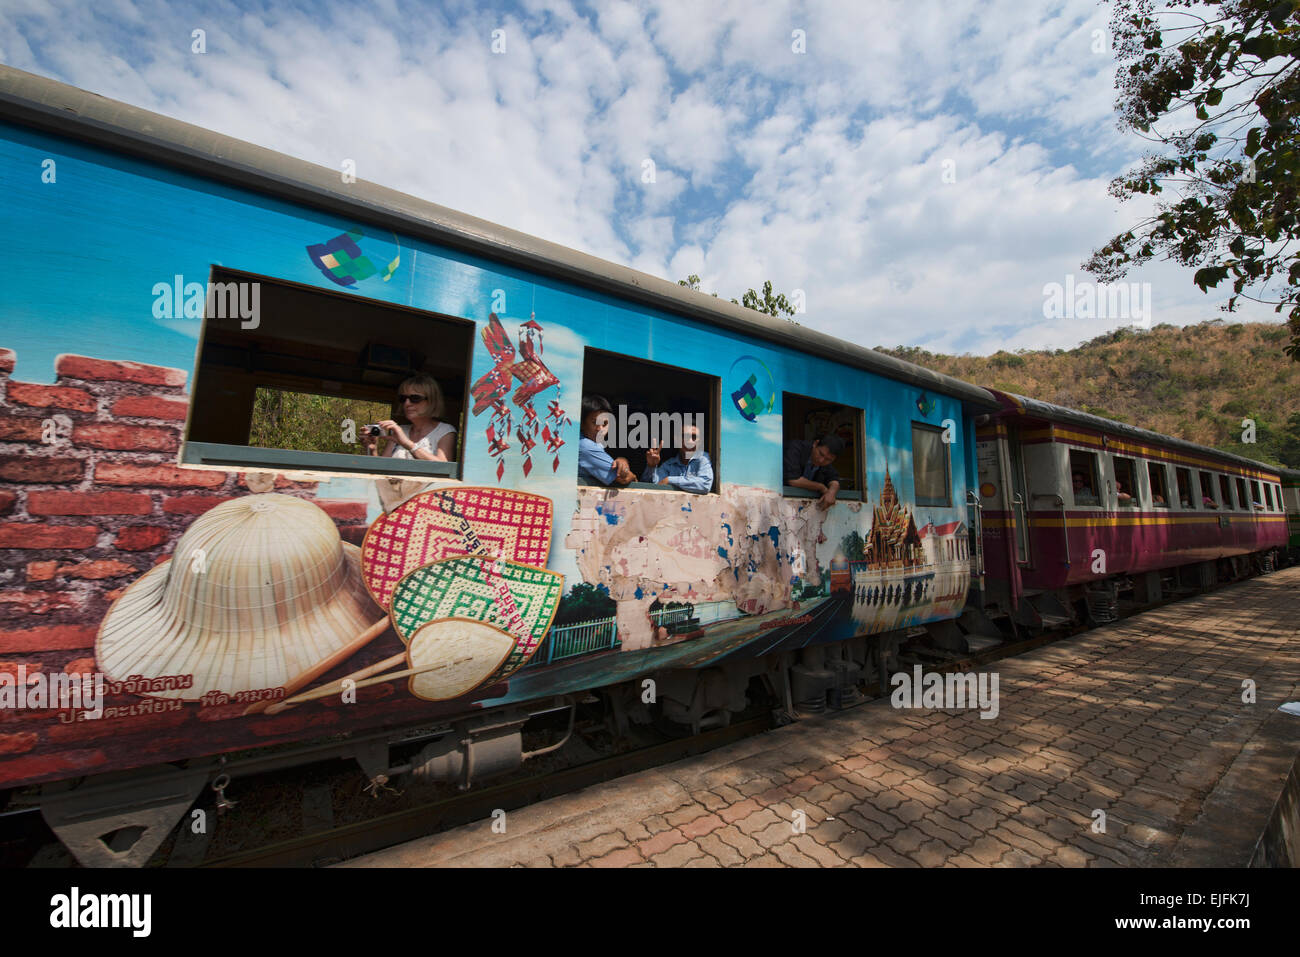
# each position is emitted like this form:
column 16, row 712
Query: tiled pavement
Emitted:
column 1140, row 720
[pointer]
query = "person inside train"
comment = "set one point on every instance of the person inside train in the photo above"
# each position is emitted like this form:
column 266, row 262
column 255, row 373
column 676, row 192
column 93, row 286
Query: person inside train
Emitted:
column 427, row 438
column 1083, row 493
column 807, row 464
column 1124, row 497
column 688, row 471
column 595, row 465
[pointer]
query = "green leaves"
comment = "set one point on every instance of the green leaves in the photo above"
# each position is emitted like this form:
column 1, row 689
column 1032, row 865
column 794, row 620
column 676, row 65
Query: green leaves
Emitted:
column 1209, row 276
column 1232, row 183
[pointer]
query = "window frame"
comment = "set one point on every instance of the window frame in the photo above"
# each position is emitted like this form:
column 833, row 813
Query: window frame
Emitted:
column 1191, row 492
column 1163, row 472
column 1225, row 492
column 947, row 467
column 1135, row 500
column 712, row 428
column 1095, row 466
column 1207, row 489
column 1243, row 495
column 859, row 455
column 254, row 458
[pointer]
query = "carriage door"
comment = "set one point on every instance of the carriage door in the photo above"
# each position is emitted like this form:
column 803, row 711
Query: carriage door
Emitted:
column 1019, row 509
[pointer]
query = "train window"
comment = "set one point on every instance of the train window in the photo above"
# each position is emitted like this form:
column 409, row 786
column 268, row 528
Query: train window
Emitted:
column 1258, row 496
column 1207, row 490
column 806, row 420
column 1186, row 496
column 295, row 385
column 1126, row 482
column 1225, row 492
column 1268, row 496
column 653, row 412
column 1159, row 479
column 931, row 471
column 1242, row 502
column 1084, row 477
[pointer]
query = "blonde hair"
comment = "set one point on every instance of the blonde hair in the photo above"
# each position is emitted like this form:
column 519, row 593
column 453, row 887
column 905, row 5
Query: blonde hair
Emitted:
column 428, row 386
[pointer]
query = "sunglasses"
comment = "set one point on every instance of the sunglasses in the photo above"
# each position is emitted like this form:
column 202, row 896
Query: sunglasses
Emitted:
column 411, row 398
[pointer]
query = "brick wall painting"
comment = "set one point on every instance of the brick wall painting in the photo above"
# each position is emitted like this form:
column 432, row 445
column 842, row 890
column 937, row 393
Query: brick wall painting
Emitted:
column 83, row 515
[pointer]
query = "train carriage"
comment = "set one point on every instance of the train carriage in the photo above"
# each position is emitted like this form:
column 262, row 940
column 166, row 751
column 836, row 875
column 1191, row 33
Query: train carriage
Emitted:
column 198, row 333
column 1077, row 507
column 1291, row 503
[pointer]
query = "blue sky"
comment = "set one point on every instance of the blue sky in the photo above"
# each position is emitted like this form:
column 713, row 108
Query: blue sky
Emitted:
column 920, row 171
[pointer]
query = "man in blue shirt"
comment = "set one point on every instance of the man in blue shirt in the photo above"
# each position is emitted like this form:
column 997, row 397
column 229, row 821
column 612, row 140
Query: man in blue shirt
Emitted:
column 688, row 471
column 595, row 465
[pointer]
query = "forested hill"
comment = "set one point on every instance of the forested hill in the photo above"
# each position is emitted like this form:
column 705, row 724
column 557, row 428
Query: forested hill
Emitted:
column 1196, row 383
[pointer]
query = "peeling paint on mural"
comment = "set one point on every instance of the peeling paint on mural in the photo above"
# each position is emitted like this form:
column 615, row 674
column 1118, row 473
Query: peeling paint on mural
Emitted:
column 852, row 570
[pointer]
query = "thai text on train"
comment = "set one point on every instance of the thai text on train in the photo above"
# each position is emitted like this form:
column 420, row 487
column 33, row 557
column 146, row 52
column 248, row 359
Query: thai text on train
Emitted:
column 637, row 430
column 934, row 690
column 77, row 691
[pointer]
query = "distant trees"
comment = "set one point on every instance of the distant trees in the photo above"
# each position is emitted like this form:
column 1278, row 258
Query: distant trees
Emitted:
column 1216, row 87
column 584, row 602
column 769, row 303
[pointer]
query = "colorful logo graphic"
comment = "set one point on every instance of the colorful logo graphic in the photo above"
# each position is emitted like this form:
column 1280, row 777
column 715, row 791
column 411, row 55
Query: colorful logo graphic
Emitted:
column 758, row 382
column 341, row 261
column 924, row 404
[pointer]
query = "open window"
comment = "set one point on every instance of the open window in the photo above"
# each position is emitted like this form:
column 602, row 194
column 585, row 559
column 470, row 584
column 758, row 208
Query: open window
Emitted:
column 1084, row 478
column 931, row 465
column 1207, row 490
column 653, row 408
column 1257, row 499
column 1126, row 482
column 1243, row 502
column 1268, row 496
column 1225, row 492
column 1159, row 479
column 1186, row 494
column 805, row 420
column 295, row 385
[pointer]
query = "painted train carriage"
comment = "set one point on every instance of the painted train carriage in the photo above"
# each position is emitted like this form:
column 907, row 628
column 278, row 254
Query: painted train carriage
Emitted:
column 1291, row 503
column 1077, row 509
column 201, row 335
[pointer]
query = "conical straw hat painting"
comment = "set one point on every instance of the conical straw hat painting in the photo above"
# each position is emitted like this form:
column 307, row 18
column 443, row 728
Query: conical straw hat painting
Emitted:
column 517, row 599
column 446, row 523
column 260, row 593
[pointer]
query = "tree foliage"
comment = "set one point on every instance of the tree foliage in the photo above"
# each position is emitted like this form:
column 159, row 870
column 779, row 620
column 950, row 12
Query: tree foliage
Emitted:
column 1215, row 85
column 772, row 304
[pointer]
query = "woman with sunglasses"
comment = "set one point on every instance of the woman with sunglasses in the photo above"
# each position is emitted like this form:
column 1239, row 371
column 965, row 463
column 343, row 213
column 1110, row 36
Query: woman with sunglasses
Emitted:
column 429, row 438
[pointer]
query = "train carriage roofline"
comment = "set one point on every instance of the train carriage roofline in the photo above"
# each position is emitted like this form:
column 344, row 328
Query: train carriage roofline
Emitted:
column 53, row 107
column 1034, row 408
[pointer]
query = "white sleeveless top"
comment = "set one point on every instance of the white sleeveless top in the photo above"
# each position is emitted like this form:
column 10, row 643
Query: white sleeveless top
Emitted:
column 429, row 443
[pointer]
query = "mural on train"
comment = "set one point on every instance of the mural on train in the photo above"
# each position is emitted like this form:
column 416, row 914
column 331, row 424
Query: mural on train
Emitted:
column 231, row 589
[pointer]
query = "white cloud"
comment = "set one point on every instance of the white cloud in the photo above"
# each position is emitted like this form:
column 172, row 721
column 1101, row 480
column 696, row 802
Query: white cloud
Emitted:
column 822, row 171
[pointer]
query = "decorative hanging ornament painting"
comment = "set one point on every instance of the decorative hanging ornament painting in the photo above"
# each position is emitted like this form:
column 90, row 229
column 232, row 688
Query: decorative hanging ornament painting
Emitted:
column 490, row 391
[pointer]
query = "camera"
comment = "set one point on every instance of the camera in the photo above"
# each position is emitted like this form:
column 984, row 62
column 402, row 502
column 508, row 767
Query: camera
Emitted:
column 372, row 430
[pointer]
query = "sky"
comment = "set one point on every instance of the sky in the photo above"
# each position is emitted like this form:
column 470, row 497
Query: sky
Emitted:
column 916, row 173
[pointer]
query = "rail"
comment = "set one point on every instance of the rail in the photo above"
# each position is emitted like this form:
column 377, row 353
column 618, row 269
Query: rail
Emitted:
column 570, row 641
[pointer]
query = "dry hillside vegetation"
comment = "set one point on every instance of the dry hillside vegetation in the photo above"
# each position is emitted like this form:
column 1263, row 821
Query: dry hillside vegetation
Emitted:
column 1197, row 382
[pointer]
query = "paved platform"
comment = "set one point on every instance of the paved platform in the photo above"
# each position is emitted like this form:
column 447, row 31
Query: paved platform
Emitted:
column 1143, row 720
